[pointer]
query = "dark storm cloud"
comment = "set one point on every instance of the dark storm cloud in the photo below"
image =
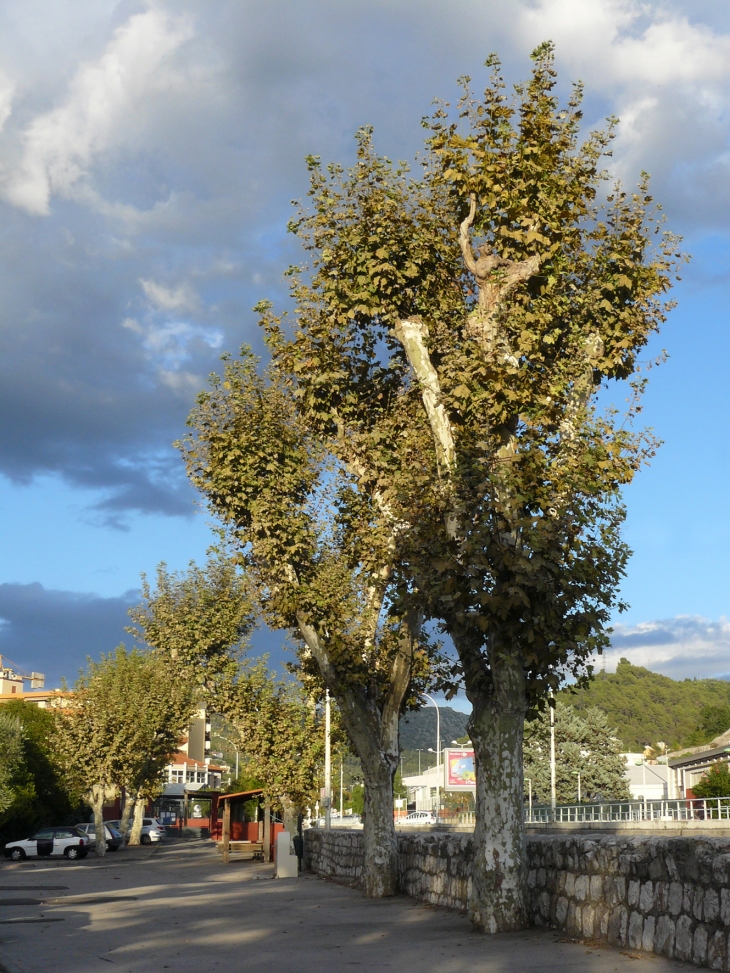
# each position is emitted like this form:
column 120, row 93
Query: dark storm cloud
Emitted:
column 149, row 153
column 55, row 631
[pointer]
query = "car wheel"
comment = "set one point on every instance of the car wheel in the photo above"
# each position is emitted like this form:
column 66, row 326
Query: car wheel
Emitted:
column 113, row 847
column 146, row 840
column 72, row 853
column 17, row 854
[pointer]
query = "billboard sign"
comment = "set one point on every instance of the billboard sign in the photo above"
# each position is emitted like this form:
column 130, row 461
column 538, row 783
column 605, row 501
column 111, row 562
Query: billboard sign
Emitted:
column 459, row 773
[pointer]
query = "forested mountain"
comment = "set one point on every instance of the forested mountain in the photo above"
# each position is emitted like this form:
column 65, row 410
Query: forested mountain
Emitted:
column 418, row 729
column 645, row 707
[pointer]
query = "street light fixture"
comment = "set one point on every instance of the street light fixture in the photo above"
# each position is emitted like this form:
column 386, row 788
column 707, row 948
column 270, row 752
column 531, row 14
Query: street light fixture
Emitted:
column 438, row 748
column 221, row 737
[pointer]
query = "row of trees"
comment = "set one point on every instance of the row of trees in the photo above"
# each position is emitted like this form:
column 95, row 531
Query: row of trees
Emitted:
column 424, row 443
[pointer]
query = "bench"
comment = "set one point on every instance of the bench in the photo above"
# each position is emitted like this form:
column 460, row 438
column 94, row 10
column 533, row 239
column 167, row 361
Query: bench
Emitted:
column 246, row 849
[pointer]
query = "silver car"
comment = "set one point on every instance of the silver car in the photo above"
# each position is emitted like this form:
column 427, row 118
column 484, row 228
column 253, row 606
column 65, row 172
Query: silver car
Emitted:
column 152, row 830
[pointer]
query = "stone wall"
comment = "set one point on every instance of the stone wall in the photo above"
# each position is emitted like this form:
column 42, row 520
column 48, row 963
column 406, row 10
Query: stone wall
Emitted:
column 664, row 895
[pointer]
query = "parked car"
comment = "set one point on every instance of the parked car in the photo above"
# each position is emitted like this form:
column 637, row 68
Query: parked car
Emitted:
column 152, row 830
column 49, row 841
column 114, row 839
column 420, row 817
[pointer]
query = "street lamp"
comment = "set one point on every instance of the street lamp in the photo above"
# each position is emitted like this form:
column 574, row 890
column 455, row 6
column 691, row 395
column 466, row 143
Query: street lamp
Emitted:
column 529, row 796
column 220, row 737
column 438, row 749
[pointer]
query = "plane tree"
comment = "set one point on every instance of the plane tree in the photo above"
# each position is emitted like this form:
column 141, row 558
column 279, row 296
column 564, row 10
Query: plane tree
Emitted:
column 315, row 533
column 437, row 394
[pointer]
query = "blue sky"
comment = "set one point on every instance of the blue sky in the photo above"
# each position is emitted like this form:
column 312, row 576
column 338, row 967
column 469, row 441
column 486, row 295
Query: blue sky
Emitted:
column 148, row 155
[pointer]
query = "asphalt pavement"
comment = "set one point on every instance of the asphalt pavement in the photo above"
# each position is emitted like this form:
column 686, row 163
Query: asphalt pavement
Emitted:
column 178, row 907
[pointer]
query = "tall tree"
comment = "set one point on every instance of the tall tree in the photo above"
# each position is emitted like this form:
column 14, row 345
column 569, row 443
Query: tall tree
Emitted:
column 119, row 728
column 199, row 621
column 281, row 730
column 12, row 738
column 450, row 336
column 585, row 744
column 317, row 537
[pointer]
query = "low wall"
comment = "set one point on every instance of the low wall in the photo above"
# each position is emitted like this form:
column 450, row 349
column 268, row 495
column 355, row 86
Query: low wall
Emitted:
column 666, row 895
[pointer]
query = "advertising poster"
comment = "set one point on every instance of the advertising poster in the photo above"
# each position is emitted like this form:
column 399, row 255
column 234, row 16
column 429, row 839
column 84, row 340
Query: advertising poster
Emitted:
column 459, row 770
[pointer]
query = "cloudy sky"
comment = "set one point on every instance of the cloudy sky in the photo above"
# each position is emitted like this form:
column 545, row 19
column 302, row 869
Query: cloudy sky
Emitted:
column 148, row 155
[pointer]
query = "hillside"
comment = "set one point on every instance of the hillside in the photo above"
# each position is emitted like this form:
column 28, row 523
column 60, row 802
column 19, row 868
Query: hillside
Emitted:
column 418, row 729
column 645, row 707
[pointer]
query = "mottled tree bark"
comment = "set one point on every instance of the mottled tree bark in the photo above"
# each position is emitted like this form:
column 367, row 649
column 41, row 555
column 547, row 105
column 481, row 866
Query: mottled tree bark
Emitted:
column 97, row 805
column 135, row 835
column 497, row 899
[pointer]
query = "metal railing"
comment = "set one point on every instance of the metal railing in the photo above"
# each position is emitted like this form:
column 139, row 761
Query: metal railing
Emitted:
column 679, row 809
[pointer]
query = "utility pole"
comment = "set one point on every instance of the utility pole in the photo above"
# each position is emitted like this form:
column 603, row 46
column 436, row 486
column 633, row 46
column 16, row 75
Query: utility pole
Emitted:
column 419, row 761
column 342, row 781
column 327, row 764
column 553, row 801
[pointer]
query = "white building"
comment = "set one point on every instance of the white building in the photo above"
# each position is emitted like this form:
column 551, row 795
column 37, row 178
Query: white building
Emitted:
column 647, row 780
column 422, row 789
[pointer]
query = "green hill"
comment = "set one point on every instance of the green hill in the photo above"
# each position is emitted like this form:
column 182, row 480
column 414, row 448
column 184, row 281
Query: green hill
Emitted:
column 645, row 707
column 418, row 729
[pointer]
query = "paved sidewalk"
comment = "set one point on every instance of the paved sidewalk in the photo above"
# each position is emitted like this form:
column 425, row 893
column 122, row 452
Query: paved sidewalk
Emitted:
column 181, row 909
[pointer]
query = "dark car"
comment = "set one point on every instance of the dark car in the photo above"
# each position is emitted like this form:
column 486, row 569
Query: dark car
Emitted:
column 49, row 841
column 114, row 839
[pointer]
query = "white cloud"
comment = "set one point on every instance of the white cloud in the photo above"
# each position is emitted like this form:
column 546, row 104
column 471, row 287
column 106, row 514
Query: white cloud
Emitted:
column 59, row 147
column 685, row 647
column 180, row 298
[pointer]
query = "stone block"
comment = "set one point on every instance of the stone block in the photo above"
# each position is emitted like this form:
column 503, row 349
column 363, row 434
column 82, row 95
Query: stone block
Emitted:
column 588, row 921
column 531, row 879
column 716, row 951
column 646, row 898
column 561, row 911
column 636, row 930
column 571, row 921
column 570, row 884
column 725, row 906
column 634, row 889
column 647, row 937
column 596, row 888
column 657, row 869
column 683, row 939
column 664, row 936
column 698, row 898
column 581, row 888
column 699, row 947
column 711, row 906
column 676, row 895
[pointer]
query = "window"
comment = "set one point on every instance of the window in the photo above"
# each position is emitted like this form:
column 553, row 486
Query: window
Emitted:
column 190, row 776
column 177, row 776
column 64, row 833
column 44, row 835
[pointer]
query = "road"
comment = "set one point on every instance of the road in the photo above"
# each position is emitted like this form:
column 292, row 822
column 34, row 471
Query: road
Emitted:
column 177, row 907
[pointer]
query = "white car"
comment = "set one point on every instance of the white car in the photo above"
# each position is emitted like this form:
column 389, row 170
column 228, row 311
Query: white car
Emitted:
column 420, row 817
column 49, row 841
column 152, row 830
column 114, row 840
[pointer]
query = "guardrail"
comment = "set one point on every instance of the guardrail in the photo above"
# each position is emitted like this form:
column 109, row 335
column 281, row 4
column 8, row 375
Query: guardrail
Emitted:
column 679, row 809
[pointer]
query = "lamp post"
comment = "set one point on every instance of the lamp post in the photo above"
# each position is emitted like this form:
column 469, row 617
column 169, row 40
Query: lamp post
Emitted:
column 665, row 748
column 419, row 752
column 529, row 797
column 553, row 800
column 234, row 747
column 327, row 764
column 438, row 749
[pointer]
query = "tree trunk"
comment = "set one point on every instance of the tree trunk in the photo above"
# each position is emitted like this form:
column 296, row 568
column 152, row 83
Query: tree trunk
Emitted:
column 289, row 815
column 97, row 804
column 380, row 867
column 137, row 821
column 497, row 902
column 129, row 805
